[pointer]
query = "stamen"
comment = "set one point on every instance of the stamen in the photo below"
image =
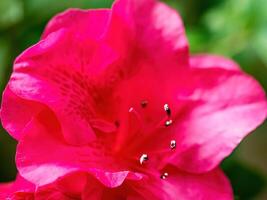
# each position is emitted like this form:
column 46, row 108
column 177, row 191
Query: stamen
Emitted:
column 131, row 109
column 168, row 122
column 143, row 158
column 173, row 144
column 164, row 175
column 167, row 109
column 144, row 103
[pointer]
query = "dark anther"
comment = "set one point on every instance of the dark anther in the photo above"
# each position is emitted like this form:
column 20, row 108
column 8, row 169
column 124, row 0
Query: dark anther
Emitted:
column 164, row 175
column 144, row 103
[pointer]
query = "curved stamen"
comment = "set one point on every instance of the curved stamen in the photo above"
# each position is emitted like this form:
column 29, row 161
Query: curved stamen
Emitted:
column 143, row 158
column 167, row 109
column 131, row 119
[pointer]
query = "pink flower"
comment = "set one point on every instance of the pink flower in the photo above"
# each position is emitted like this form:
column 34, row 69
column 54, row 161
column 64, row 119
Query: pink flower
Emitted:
column 113, row 95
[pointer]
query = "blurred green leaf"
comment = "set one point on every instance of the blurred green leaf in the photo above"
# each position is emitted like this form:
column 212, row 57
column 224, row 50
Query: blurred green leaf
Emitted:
column 11, row 12
column 241, row 23
column 246, row 182
column 4, row 56
column 38, row 8
column 7, row 155
column 260, row 43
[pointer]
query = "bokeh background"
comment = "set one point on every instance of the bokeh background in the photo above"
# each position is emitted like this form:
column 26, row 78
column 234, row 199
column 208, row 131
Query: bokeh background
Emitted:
column 233, row 28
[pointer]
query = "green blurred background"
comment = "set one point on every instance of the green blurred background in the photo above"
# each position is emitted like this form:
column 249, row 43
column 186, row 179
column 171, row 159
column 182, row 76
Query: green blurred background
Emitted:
column 233, row 28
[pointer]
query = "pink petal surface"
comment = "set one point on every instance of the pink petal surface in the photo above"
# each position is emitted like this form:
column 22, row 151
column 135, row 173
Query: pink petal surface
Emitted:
column 68, row 187
column 212, row 61
column 80, row 185
column 91, row 22
column 94, row 191
column 40, row 74
column 152, row 28
column 179, row 185
column 17, row 190
column 222, row 107
column 12, row 110
column 55, row 158
column 184, row 186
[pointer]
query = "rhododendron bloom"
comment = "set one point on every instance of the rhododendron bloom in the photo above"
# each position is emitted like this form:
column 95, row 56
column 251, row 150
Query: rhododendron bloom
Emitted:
column 110, row 104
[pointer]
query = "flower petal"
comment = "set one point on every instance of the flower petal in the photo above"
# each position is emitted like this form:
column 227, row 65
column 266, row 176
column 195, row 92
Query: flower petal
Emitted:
column 155, row 30
column 93, row 23
column 64, row 85
column 114, row 179
column 184, row 186
column 178, row 185
column 19, row 189
column 220, row 108
column 212, row 61
column 55, row 158
column 96, row 190
column 17, row 112
column 67, row 187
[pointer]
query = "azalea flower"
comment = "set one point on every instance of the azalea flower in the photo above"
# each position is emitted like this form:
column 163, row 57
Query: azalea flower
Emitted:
column 110, row 105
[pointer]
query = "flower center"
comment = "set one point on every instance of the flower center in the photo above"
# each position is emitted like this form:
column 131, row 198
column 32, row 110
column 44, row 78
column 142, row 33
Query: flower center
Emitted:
column 135, row 152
